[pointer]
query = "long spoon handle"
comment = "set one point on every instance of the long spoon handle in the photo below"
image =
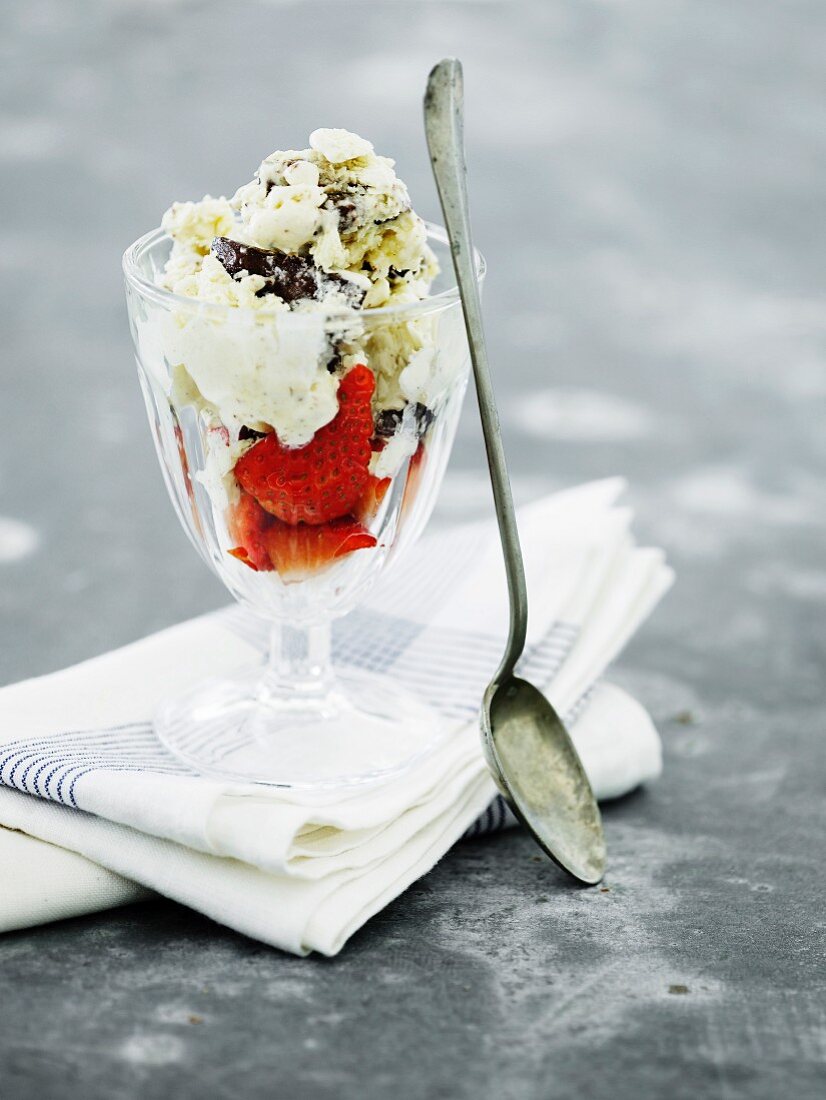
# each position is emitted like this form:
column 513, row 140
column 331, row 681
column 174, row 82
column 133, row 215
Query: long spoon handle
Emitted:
column 444, row 127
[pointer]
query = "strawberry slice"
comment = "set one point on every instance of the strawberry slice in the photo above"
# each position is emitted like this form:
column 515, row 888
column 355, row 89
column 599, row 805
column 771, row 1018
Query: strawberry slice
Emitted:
column 296, row 551
column 370, row 500
column 248, row 524
column 414, row 477
column 324, row 479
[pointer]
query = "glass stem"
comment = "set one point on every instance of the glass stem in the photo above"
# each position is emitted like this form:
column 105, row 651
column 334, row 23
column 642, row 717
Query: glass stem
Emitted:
column 299, row 668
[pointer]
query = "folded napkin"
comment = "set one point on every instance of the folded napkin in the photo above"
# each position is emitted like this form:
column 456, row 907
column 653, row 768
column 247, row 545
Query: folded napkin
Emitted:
column 82, row 770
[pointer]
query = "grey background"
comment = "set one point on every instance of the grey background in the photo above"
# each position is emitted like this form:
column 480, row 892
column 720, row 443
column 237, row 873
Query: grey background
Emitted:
column 647, row 182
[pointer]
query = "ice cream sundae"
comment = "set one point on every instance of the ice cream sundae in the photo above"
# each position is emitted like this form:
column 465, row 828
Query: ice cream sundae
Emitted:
column 314, row 384
column 302, row 353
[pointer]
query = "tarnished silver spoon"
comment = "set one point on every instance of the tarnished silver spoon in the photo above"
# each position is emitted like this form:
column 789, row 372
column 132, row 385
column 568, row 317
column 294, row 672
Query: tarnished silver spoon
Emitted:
column 528, row 749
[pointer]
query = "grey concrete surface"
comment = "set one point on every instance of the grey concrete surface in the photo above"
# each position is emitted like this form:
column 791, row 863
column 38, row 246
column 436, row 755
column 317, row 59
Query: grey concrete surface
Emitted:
column 647, row 184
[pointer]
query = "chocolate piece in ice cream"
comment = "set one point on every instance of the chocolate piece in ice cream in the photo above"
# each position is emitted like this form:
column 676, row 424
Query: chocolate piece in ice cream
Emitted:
column 388, row 421
column 292, row 277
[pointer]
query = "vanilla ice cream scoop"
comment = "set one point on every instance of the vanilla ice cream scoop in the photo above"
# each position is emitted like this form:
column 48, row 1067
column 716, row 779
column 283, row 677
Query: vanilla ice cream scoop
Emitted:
column 320, row 230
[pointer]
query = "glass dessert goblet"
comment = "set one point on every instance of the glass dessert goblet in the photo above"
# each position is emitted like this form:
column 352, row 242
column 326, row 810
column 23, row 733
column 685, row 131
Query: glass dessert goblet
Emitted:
column 303, row 450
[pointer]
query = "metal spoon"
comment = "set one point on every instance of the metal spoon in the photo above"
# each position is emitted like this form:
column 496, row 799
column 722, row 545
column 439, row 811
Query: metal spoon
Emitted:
column 528, row 750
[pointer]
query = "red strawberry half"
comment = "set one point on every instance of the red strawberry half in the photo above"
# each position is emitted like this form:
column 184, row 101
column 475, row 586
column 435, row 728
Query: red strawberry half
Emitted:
column 298, row 550
column 374, row 493
column 248, row 523
column 414, row 477
column 266, row 544
column 323, row 480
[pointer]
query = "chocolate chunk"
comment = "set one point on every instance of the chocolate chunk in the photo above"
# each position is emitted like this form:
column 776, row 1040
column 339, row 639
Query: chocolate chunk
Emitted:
column 292, row 277
column 289, row 276
column 388, row 420
column 392, row 218
column 334, row 362
column 343, row 202
column 346, row 216
column 250, row 433
column 424, row 418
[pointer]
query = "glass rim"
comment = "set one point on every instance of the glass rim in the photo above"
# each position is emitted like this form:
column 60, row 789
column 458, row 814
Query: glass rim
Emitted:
column 168, row 298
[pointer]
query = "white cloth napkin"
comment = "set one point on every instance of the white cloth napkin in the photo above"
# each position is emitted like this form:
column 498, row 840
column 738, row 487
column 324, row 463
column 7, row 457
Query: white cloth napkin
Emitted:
column 46, row 882
column 82, row 769
column 43, row 882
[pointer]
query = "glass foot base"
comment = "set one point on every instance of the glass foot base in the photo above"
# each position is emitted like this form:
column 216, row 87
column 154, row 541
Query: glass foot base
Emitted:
column 362, row 729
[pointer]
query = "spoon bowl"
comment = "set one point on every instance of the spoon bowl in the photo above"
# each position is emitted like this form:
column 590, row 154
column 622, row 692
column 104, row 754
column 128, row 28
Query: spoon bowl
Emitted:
column 537, row 768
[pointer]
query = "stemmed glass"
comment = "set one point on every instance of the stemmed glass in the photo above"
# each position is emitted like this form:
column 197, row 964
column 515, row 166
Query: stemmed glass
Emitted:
column 298, row 722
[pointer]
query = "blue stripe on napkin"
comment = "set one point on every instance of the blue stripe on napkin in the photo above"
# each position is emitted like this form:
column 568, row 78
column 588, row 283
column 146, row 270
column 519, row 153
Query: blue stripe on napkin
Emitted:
column 449, row 667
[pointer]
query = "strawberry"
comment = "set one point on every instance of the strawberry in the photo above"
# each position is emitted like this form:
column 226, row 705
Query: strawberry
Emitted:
column 324, row 479
column 414, row 477
column 265, row 543
column 298, row 550
column 370, row 500
column 248, row 523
